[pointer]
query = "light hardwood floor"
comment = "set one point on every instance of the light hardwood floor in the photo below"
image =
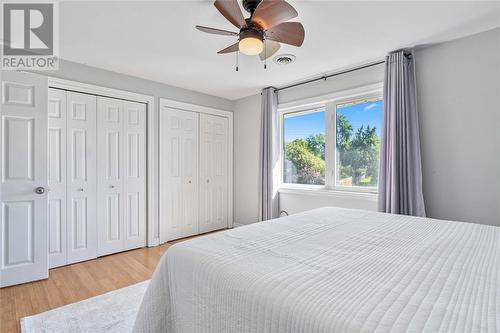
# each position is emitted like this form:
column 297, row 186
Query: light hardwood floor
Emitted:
column 77, row 282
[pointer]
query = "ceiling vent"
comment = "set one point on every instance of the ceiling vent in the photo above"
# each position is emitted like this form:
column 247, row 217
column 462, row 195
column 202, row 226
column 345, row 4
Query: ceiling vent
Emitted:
column 284, row 59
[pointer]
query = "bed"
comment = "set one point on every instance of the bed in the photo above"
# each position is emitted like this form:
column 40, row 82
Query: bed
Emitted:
column 330, row 270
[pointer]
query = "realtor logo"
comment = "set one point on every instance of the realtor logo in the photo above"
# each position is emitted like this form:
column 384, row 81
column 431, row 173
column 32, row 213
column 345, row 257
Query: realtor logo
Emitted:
column 29, row 36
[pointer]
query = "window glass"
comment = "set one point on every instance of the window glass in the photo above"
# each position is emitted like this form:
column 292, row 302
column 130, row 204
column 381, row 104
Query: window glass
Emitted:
column 358, row 143
column 304, row 148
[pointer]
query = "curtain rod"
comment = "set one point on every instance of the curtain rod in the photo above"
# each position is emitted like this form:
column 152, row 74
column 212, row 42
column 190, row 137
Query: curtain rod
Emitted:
column 324, row 77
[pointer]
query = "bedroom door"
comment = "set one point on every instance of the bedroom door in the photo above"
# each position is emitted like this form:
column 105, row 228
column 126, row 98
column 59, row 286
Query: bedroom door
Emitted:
column 213, row 172
column 23, row 185
column 81, row 177
column 57, row 178
column 179, row 170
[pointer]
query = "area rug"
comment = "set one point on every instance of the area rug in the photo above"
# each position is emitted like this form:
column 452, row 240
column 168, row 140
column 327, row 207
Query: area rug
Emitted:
column 111, row 312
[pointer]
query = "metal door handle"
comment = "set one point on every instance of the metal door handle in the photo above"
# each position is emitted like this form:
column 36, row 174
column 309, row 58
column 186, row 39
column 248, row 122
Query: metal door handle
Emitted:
column 189, row 182
column 80, row 189
column 40, row 190
column 111, row 186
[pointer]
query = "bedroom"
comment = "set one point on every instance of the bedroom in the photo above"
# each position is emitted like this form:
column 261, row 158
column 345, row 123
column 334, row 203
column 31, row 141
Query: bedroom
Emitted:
column 307, row 166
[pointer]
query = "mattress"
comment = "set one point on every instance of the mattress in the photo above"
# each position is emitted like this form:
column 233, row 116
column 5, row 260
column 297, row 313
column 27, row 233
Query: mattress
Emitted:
column 330, row 270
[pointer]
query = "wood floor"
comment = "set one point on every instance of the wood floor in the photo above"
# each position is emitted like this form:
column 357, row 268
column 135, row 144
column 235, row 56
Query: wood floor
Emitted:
column 76, row 282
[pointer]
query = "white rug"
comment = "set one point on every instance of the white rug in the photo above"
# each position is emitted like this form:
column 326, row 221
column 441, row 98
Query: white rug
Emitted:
column 111, row 312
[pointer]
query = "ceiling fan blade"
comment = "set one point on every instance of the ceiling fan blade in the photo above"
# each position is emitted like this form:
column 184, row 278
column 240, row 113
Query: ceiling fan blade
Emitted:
column 270, row 48
column 233, row 48
column 270, row 13
column 230, row 9
column 216, row 31
column 289, row 33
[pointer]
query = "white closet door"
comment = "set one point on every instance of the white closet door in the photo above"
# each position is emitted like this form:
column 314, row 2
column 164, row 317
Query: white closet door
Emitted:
column 213, row 172
column 57, row 178
column 110, row 164
column 179, row 171
column 134, row 176
column 121, row 168
column 23, row 147
column 81, row 177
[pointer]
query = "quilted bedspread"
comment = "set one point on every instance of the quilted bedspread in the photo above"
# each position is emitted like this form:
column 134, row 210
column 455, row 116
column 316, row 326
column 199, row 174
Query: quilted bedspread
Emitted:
column 330, row 270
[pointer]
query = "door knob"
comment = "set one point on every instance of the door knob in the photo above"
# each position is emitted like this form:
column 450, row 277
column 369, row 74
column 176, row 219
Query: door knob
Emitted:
column 189, row 182
column 40, row 190
column 111, row 186
column 80, row 189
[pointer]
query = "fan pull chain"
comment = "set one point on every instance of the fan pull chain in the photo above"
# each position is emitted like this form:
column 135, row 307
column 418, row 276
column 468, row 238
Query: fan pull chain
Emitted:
column 237, row 62
column 265, row 55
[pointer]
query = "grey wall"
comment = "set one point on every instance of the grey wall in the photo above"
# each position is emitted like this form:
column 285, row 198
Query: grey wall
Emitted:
column 458, row 85
column 347, row 81
column 246, row 159
column 86, row 74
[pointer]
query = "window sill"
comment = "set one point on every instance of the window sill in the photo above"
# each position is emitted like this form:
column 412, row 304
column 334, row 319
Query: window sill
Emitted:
column 322, row 191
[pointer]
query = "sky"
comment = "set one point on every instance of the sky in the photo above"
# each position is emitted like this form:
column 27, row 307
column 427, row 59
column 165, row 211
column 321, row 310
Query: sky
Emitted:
column 369, row 113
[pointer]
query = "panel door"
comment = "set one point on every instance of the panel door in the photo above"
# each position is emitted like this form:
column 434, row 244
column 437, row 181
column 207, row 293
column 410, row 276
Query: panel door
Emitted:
column 179, row 173
column 134, row 176
column 213, row 172
column 110, row 165
column 81, row 177
column 57, row 177
column 23, row 147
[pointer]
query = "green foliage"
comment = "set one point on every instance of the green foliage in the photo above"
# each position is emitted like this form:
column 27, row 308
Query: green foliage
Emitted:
column 344, row 133
column 362, row 156
column 316, row 144
column 310, row 167
column 357, row 155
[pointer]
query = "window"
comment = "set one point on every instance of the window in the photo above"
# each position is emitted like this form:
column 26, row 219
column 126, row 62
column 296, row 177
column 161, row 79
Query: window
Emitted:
column 335, row 145
column 304, row 147
column 358, row 142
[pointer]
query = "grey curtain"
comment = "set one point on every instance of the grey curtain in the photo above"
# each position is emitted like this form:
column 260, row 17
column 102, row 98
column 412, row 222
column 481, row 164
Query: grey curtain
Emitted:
column 400, row 174
column 269, row 156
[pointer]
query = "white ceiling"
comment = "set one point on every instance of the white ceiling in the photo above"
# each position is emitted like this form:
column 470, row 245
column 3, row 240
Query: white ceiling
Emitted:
column 158, row 41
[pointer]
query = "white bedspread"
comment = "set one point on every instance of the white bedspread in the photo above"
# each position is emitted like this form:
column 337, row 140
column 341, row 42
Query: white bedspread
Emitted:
column 330, row 270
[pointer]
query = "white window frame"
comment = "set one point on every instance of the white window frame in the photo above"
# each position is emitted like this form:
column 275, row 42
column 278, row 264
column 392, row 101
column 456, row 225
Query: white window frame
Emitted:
column 329, row 104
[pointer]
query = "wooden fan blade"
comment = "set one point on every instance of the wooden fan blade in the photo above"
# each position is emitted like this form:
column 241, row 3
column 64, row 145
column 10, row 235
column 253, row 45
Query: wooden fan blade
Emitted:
column 270, row 48
column 289, row 33
column 233, row 48
column 270, row 13
column 230, row 9
column 216, row 31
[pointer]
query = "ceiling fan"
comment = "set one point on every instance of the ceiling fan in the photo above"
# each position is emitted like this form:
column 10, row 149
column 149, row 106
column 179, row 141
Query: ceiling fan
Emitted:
column 261, row 33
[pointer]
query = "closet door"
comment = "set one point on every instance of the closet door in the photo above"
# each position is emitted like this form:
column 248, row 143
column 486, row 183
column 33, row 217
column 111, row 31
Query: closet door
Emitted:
column 121, row 168
column 213, row 172
column 57, row 177
column 81, row 177
column 134, row 176
column 110, row 165
column 179, row 171
column 23, row 197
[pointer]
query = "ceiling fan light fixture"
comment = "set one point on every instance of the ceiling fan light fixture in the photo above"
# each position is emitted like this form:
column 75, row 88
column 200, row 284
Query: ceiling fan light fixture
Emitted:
column 251, row 46
column 251, row 42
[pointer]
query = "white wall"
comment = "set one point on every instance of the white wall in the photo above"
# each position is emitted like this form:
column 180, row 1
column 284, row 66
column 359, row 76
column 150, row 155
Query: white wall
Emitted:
column 246, row 146
column 458, row 86
column 293, row 201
